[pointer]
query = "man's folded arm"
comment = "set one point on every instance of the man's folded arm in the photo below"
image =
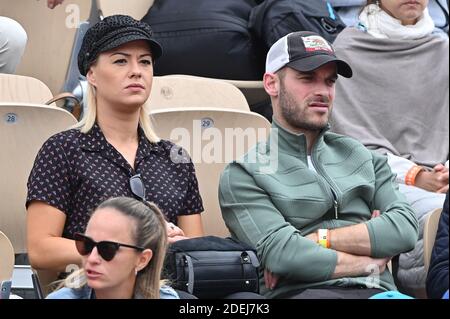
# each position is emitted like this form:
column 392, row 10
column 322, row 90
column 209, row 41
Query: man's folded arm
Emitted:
column 251, row 217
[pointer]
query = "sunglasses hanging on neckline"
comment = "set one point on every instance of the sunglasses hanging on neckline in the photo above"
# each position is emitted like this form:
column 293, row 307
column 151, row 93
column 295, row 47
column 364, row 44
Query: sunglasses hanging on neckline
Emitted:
column 137, row 187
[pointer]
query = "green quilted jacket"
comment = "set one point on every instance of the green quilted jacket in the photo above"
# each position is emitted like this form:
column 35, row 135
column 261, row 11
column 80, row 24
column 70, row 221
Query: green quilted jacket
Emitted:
column 271, row 200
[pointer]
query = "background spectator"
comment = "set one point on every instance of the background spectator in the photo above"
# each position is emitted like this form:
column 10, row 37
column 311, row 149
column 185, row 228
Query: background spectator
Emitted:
column 123, row 258
column 13, row 40
column 437, row 280
column 349, row 11
column 397, row 103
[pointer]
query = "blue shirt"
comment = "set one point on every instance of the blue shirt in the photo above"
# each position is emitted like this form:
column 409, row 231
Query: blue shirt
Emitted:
column 86, row 292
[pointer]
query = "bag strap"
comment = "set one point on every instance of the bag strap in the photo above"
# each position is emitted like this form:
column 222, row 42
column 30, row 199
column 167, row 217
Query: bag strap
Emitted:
column 76, row 111
column 190, row 283
column 253, row 259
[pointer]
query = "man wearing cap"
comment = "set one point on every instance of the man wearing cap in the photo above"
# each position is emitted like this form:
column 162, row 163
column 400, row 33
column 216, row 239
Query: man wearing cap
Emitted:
column 326, row 221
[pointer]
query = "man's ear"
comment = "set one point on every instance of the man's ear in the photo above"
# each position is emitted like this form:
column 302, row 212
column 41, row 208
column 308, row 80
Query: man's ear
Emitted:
column 144, row 259
column 271, row 84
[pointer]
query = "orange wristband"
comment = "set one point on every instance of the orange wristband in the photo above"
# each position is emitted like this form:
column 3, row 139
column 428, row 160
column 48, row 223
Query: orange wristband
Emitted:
column 410, row 178
column 323, row 237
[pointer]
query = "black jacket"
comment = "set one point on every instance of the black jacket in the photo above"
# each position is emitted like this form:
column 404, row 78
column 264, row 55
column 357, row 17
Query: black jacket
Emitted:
column 437, row 280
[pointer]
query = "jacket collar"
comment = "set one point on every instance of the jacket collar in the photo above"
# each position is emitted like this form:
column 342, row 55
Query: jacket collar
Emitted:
column 292, row 143
column 95, row 141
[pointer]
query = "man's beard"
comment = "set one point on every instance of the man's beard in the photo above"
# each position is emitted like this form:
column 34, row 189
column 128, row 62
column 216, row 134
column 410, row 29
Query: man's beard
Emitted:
column 294, row 115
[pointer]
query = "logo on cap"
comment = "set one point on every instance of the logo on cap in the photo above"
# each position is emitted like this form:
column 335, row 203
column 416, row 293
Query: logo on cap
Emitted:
column 315, row 43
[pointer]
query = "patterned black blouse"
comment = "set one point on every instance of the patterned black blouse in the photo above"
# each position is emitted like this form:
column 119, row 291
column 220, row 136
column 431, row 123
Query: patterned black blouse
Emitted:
column 75, row 172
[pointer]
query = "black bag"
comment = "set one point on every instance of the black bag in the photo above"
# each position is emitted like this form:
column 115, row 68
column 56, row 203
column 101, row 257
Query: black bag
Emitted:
column 273, row 19
column 207, row 38
column 212, row 267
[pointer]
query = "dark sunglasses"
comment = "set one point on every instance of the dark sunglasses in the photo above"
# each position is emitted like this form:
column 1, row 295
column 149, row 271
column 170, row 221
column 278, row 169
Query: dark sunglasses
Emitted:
column 106, row 249
column 137, row 187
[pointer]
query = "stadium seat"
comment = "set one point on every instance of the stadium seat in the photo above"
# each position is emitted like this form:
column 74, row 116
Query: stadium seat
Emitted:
column 213, row 137
column 23, row 129
column 17, row 88
column 253, row 91
column 191, row 91
column 429, row 235
column 24, row 89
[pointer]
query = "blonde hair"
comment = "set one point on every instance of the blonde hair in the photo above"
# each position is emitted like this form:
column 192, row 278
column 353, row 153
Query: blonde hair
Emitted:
column 150, row 232
column 88, row 120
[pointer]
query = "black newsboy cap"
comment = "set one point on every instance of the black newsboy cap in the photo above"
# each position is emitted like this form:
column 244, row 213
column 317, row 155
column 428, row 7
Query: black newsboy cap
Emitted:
column 111, row 32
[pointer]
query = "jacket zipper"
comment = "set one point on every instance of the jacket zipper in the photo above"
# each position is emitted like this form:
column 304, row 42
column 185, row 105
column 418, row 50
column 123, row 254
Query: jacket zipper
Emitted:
column 329, row 183
column 336, row 208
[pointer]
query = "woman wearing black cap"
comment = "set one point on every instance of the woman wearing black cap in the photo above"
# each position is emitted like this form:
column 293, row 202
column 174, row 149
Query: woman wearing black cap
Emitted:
column 113, row 151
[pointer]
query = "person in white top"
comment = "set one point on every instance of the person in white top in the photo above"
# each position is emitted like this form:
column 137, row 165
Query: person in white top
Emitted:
column 349, row 11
